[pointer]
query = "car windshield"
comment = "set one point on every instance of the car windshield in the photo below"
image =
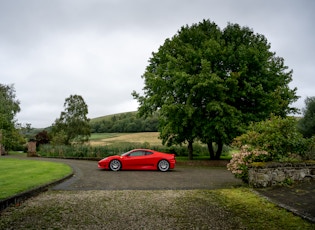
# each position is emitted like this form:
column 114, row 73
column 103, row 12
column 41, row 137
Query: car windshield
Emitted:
column 124, row 154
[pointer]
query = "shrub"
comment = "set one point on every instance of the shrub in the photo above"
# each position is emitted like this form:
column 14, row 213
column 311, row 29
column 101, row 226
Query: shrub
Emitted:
column 276, row 139
column 240, row 161
column 278, row 136
column 98, row 152
column 310, row 153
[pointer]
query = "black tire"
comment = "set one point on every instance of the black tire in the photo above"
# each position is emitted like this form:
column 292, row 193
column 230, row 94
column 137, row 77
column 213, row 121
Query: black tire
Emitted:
column 115, row 165
column 163, row 165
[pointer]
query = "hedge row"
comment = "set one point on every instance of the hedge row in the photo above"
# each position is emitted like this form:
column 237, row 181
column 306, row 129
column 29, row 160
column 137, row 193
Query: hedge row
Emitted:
column 99, row 152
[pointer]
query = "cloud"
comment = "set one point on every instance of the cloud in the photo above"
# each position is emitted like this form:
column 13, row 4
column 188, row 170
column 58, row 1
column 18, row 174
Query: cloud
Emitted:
column 100, row 48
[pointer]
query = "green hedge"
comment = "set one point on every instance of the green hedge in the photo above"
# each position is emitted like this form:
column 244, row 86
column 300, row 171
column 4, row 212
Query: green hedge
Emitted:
column 99, row 152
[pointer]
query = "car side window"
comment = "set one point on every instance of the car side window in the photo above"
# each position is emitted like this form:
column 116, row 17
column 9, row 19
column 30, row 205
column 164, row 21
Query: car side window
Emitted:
column 136, row 154
column 148, row 153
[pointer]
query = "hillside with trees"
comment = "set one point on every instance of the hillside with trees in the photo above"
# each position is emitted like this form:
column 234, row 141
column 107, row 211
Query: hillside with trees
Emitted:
column 128, row 122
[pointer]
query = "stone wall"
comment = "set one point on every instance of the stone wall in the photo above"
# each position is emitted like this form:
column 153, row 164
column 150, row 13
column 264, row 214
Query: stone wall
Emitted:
column 277, row 174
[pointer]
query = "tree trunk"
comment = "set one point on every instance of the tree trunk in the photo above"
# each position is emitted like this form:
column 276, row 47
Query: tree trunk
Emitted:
column 215, row 155
column 190, row 150
column 211, row 150
column 2, row 150
column 219, row 151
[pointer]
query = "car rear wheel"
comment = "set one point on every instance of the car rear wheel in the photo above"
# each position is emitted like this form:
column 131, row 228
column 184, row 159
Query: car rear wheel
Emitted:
column 115, row 165
column 163, row 165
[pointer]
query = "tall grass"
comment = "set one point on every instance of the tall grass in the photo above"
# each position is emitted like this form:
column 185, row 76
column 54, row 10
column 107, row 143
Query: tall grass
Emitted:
column 106, row 144
column 99, row 152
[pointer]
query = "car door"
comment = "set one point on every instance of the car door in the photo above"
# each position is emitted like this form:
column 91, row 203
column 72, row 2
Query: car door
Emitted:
column 150, row 159
column 134, row 160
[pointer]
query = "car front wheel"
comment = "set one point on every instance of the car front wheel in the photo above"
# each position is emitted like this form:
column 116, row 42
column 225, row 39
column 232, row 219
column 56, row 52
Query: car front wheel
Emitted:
column 115, row 165
column 163, row 165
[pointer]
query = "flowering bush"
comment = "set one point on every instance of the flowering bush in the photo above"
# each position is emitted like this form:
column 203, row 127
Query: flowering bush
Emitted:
column 240, row 161
column 278, row 136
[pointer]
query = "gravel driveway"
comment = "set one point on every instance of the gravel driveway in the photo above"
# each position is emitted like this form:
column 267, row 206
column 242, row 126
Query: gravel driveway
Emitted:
column 99, row 199
column 88, row 177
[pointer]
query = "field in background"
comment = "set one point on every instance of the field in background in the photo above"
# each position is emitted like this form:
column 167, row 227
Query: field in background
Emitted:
column 101, row 139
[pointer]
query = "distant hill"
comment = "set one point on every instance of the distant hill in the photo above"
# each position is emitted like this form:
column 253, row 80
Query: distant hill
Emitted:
column 128, row 122
column 109, row 117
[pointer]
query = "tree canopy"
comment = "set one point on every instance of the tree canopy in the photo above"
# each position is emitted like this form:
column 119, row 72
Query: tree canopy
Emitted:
column 9, row 107
column 73, row 124
column 307, row 122
column 208, row 84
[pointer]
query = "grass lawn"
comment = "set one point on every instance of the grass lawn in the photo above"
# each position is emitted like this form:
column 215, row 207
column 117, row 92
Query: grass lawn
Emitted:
column 256, row 212
column 18, row 175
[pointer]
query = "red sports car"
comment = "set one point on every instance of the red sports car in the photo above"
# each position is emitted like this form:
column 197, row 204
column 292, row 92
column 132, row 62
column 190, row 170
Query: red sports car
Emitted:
column 139, row 159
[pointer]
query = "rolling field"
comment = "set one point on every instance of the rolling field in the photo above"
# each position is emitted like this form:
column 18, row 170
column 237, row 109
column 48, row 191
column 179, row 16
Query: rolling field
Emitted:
column 99, row 139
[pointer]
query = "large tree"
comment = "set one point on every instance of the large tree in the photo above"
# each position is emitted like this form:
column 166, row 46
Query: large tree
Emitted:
column 9, row 107
column 306, row 124
column 73, row 125
column 208, row 84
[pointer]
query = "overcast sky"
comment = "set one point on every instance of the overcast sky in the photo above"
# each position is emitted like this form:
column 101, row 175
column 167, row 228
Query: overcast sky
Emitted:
column 51, row 49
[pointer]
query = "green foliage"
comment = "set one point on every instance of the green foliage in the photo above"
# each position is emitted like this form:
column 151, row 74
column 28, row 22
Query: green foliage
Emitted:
column 208, row 84
column 310, row 153
column 13, row 140
column 275, row 139
column 75, row 151
column 124, row 123
column 86, row 151
column 307, row 123
column 98, row 152
column 58, row 137
column 277, row 136
column 27, row 131
column 288, row 181
column 73, row 124
column 9, row 107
